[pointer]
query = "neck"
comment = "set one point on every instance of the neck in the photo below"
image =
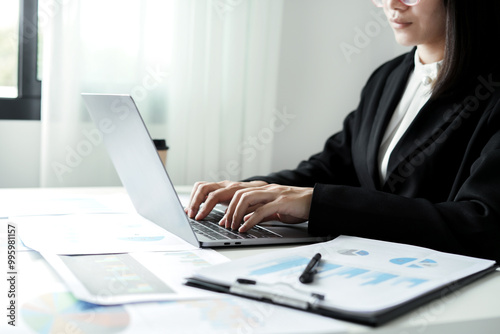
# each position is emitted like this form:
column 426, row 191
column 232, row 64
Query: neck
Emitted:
column 430, row 53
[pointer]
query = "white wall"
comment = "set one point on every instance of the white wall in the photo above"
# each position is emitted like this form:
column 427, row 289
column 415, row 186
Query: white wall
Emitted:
column 318, row 82
column 19, row 154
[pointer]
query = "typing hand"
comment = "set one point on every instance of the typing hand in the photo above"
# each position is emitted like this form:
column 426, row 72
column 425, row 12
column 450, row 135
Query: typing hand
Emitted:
column 269, row 202
column 212, row 193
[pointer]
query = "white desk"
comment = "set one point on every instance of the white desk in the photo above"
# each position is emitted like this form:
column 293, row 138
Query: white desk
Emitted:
column 473, row 309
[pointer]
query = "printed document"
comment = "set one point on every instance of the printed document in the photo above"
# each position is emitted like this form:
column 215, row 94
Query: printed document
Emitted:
column 110, row 279
column 96, row 234
column 355, row 275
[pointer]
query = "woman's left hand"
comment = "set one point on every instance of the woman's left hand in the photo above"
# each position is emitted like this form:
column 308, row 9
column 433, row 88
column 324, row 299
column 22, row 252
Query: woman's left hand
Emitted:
column 270, row 202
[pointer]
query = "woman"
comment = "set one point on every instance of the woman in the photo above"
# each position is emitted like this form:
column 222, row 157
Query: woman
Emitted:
column 418, row 161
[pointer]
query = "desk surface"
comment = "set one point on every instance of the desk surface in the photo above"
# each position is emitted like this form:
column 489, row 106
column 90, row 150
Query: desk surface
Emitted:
column 472, row 309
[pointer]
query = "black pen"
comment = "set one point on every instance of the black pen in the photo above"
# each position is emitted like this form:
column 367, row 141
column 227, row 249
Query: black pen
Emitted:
column 308, row 274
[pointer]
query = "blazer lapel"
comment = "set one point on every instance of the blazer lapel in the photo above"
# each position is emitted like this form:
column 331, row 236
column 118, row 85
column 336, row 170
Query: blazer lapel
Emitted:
column 393, row 90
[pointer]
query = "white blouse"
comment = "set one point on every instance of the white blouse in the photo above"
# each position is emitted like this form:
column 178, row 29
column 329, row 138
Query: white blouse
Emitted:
column 417, row 93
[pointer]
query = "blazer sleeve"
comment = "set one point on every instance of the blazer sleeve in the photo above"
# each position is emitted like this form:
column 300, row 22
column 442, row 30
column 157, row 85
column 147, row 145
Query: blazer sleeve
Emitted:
column 467, row 224
column 464, row 218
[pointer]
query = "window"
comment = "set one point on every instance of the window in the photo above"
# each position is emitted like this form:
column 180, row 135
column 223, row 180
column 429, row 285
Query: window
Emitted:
column 9, row 50
column 19, row 85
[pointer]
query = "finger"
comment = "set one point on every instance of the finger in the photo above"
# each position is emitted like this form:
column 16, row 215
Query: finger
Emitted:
column 273, row 217
column 252, row 208
column 199, row 196
column 247, row 200
column 256, row 199
column 263, row 213
column 193, row 191
column 212, row 199
column 228, row 217
column 289, row 219
column 191, row 196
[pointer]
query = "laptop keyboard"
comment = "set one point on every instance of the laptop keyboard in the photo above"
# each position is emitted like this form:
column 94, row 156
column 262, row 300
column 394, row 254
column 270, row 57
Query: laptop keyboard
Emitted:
column 210, row 228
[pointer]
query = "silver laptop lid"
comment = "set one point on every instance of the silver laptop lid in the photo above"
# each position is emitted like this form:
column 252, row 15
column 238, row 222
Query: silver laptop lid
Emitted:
column 137, row 162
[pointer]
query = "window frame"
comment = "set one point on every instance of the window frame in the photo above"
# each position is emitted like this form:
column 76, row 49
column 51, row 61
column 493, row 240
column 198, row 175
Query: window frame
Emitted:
column 27, row 105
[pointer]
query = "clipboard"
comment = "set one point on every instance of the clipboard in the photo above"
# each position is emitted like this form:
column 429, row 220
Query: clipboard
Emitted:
column 314, row 298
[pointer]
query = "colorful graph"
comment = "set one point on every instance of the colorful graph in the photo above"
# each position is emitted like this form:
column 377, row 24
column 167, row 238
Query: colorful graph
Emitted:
column 411, row 262
column 290, row 266
column 123, row 273
column 62, row 313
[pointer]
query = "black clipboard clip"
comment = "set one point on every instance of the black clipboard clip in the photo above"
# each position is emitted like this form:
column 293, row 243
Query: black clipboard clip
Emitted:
column 278, row 293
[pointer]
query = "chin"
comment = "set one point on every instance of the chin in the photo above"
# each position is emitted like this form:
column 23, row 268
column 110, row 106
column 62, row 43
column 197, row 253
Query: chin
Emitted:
column 404, row 40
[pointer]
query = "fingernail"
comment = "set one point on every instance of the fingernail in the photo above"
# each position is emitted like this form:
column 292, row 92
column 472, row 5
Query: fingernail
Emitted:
column 222, row 222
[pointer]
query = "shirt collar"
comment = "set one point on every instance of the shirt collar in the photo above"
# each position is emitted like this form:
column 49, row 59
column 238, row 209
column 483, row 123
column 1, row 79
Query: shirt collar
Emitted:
column 427, row 73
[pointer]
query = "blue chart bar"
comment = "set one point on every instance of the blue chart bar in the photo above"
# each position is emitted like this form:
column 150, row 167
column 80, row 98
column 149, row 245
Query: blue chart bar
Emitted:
column 324, row 267
column 351, row 272
column 282, row 264
column 410, row 281
column 367, row 277
column 377, row 278
column 362, row 276
column 292, row 263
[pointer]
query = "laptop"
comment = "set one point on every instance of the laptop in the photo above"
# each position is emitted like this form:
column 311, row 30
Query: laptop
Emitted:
column 146, row 181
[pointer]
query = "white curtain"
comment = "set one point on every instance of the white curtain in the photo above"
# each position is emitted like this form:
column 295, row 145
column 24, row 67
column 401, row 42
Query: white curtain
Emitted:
column 203, row 73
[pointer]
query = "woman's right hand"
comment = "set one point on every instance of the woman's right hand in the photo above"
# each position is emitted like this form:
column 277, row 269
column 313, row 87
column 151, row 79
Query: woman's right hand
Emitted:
column 211, row 193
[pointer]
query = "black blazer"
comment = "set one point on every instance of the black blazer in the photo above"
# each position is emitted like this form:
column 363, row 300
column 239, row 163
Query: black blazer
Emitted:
column 443, row 184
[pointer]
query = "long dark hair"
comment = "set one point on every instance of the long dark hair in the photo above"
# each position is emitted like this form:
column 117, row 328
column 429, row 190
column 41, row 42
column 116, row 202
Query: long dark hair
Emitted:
column 472, row 43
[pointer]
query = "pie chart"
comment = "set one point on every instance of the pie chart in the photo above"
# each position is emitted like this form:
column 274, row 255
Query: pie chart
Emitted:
column 353, row 252
column 62, row 313
column 414, row 262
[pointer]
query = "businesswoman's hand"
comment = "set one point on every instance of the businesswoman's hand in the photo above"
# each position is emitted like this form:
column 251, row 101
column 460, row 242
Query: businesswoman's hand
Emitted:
column 212, row 193
column 269, row 202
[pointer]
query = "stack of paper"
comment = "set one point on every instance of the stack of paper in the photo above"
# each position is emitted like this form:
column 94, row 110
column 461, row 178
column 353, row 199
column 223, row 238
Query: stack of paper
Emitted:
column 359, row 279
